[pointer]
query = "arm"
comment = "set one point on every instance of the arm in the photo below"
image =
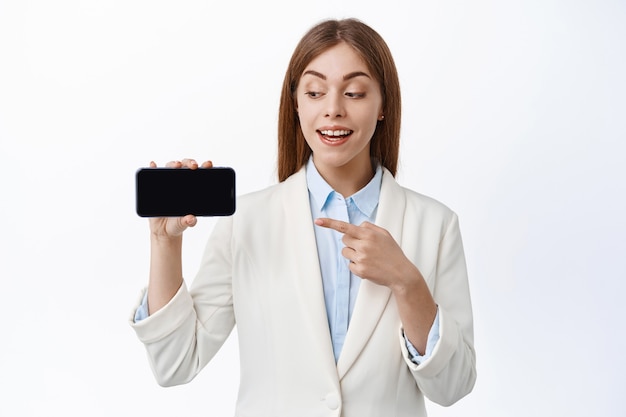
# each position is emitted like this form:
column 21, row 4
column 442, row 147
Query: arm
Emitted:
column 416, row 306
column 374, row 255
column 166, row 274
column 450, row 372
column 433, row 338
column 184, row 335
column 166, row 241
column 177, row 334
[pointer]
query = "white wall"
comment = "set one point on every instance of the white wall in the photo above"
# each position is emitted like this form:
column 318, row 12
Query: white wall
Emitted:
column 514, row 116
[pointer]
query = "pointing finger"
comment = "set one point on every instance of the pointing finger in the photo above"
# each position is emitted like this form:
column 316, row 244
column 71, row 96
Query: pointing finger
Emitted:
column 338, row 225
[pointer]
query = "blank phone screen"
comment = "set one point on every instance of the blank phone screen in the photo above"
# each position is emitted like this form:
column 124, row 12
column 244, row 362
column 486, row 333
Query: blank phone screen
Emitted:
column 170, row 192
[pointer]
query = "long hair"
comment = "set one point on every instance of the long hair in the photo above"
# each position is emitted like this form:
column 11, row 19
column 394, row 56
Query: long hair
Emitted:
column 293, row 151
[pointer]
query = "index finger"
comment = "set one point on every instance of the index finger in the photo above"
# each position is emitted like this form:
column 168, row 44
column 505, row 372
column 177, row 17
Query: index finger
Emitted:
column 338, row 225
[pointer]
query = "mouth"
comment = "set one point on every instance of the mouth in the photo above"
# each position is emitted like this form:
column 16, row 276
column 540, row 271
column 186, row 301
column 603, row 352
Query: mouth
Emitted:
column 334, row 137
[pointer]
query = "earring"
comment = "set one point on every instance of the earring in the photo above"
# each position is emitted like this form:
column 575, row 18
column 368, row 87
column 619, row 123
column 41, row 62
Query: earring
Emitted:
column 381, row 118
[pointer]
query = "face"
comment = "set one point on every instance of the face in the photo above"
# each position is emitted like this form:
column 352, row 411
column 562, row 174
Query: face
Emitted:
column 339, row 104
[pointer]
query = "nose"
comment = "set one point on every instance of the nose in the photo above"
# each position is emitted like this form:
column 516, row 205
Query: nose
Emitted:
column 335, row 105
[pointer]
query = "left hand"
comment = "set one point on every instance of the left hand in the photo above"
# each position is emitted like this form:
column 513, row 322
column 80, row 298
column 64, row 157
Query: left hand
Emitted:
column 373, row 253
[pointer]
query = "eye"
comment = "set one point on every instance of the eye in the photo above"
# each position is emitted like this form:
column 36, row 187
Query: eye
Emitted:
column 354, row 95
column 313, row 94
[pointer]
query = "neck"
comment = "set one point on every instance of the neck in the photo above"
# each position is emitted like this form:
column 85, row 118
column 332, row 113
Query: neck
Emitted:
column 347, row 179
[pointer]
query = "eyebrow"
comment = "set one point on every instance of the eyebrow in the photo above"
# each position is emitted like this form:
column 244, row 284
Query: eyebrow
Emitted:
column 345, row 77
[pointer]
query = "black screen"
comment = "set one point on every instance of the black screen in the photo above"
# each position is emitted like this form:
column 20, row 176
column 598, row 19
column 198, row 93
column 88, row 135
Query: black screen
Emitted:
column 169, row 192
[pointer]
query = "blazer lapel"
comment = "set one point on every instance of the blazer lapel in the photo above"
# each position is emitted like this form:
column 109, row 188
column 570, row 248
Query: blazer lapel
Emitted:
column 309, row 289
column 373, row 298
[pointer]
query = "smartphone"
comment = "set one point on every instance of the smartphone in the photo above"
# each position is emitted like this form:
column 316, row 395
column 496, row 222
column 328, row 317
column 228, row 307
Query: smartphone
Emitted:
column 173, row 192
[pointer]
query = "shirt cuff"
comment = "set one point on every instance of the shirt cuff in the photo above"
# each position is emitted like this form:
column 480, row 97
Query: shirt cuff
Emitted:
column 433, row 338
column 142, row 311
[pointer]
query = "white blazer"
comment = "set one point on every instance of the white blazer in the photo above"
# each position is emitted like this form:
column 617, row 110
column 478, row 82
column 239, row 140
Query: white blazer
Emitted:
column 261, row 272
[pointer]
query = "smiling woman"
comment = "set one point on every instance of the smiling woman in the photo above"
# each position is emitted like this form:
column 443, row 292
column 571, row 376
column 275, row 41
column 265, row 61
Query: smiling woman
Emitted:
column 369, row 58
column 351, row 284
column 339, row 105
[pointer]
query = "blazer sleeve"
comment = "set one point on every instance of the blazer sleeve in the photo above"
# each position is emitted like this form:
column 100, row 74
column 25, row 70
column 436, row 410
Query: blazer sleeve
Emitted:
column 183, row 336
column 450, row 372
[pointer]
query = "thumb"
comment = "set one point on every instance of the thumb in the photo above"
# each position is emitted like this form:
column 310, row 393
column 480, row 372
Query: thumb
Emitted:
column 177, row 227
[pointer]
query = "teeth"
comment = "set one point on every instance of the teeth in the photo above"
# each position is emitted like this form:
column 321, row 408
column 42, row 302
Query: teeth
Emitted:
column 335, row 132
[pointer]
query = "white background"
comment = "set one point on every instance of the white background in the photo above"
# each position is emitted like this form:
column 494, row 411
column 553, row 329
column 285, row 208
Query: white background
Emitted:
column 514, row 116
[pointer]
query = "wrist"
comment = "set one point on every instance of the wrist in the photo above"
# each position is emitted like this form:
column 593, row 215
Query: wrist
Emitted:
column 412, row 289
column 408, row 281
column 165, row 247
column 164, row 240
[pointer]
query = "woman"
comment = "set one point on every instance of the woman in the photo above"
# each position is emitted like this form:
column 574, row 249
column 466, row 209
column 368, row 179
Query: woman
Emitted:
column 349, row 292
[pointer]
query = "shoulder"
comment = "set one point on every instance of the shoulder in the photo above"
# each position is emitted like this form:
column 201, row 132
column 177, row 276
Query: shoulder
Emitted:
column 423, row 202
column 414, row 201
column 272, row 199
column 295, row 182
column 263, row 215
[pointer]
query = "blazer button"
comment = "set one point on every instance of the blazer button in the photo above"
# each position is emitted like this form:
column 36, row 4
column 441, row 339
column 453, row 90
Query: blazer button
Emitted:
column 332, row 401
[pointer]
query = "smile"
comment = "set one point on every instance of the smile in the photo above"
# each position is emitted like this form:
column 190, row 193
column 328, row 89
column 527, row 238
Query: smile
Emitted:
column 335, row 136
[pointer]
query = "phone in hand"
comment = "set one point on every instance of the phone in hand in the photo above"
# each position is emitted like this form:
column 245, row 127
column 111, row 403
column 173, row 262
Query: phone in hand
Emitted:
column 174, row 192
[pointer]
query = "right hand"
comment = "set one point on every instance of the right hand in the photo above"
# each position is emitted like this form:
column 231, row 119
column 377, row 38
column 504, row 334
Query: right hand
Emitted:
column 173, row 227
